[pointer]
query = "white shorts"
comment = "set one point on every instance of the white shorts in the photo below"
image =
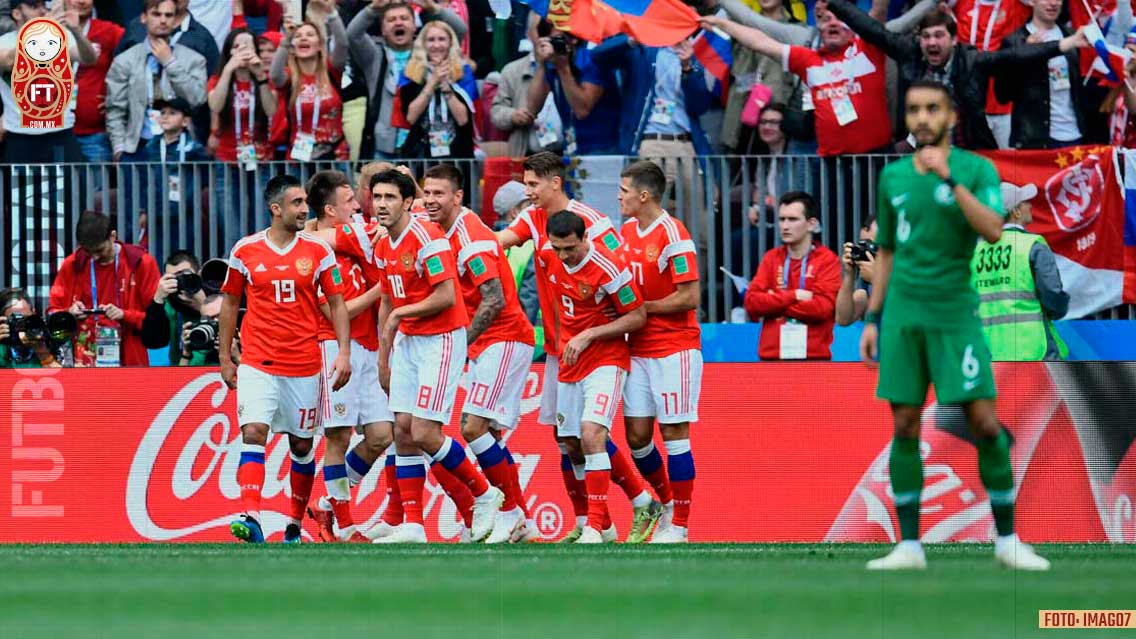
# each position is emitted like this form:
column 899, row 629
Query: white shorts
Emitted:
column 286, row 404
column 425, row 371
column 547, row 414
column 496, row 381
column 664, row 387
column 362, row 401
column 592, row 399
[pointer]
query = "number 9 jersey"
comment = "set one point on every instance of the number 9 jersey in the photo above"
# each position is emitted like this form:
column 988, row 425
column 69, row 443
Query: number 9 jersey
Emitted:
column 278, row 334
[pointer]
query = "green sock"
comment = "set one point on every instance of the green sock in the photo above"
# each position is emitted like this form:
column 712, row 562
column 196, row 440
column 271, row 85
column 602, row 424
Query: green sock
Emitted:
column 998, row 479
column 905, row 467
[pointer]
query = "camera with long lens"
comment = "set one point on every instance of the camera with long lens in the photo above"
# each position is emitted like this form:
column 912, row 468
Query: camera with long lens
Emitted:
column 188, row 283
column 26, row 332
column 213, row 275
column 559, row 44
column 202, row 336
column 861, row 250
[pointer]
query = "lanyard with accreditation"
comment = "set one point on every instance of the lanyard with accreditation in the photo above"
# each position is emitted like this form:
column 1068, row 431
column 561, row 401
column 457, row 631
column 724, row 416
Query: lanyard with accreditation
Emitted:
column 795, row 335
column 107, row 339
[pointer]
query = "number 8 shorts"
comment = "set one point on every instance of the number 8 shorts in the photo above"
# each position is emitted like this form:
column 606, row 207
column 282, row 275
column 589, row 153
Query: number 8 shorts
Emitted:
column 286, row 404
column 425, row 371
column 664, row 387
column 592, row 399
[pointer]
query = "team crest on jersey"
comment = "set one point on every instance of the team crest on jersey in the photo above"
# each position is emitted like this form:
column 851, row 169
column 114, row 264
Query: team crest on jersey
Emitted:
column 944, row 195
column 407, row 261
column 304, row 266
column 341, row 409
column 652, row 253
column 586, row 289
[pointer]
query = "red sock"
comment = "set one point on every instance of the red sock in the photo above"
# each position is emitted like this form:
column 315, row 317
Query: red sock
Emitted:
column 393, row 513
column 661, row 484
column 499, row 476
column 301, row 492
column 457, row 491
column 250, row 476
column 515, row 488
column 623, row 474
column 577, row 492
column 410, row 490
column 468, row 474
column 342, row 510
column 682, row 492
column 598, row 482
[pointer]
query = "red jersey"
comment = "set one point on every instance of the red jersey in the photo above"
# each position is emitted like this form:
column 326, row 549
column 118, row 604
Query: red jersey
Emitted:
column 281, row 287
column 90, row 82
column 356, row 261
column 327, row 127
column 589, row 295
column 480, row 259
column 662, row 256
column 530, row 225
column 412, row 264
column 244, row 100
column 984, row 23
column 848, row 86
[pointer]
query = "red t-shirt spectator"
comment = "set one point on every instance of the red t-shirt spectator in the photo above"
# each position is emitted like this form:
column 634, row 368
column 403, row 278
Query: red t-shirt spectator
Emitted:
column 90, row 110
column 130, row 288
column 1122, row 125
column 244, row 93
column 772, row 299
column 849, row 93
column 984, row 23
column 328, row 129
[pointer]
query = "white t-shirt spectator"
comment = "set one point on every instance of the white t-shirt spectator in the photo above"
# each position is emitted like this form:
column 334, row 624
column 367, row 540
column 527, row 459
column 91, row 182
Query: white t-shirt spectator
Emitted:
column 1062, row 118
column 12, row 113
column 214, row 15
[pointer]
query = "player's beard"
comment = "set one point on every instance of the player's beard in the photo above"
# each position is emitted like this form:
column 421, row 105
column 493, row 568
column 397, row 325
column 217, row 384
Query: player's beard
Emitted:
column 938, row 139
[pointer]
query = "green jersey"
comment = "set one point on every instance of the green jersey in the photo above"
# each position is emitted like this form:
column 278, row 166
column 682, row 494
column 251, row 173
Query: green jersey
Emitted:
column 933, row 243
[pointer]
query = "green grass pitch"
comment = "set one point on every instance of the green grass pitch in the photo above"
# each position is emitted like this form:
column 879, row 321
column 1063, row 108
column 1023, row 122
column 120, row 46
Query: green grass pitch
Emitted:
column 538, row 591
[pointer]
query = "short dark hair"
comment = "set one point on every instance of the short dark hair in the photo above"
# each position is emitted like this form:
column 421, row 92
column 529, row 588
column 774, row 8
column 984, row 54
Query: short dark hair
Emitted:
column 9, row 296
column 182, row 255
column 933, row 86
column 546, row 165
column 406, row 187
column 395, row 6
column 274, row 190
column 565, row 224
column 938, row 19
column 806, row 200
column 775, row 106
column 647, row 175
column 150, row 5
column 868, row 221
column 446, row 172
column 93, row 229
column 321, row 189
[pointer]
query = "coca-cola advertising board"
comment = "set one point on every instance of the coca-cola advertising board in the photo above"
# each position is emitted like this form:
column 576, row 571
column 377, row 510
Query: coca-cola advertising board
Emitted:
column 784, row 452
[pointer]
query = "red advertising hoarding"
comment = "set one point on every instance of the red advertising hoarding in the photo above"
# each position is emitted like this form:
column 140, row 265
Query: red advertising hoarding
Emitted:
column 784, row 452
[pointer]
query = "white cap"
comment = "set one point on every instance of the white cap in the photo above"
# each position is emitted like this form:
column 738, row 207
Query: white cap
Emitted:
column 1013, row 195
column 509, row 195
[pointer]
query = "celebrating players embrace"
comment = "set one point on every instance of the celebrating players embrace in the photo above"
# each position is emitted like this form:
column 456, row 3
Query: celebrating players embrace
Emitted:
column 405, row 300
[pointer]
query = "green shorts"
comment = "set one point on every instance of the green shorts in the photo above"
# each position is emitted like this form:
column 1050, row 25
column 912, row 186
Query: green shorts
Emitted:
column 955, row 360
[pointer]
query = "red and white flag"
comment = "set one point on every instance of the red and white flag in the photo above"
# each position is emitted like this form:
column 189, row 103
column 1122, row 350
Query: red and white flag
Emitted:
column 1079, row 208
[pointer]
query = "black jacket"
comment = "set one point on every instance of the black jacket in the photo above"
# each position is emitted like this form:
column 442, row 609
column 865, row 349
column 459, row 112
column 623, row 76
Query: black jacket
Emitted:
column 970, row 70
column 1028, row 88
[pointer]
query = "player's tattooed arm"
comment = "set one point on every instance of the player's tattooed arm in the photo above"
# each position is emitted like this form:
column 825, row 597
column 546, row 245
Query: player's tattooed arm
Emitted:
column 492, row 301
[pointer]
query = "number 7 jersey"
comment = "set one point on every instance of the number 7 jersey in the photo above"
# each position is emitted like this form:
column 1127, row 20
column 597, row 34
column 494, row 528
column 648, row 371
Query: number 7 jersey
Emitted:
column 278, row 334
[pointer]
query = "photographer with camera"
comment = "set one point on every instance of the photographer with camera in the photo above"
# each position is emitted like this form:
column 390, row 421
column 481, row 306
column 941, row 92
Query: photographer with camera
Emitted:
column 199, row 338
column 859, row 259
column 106, row 286
column 26, row 340
column 181, row 304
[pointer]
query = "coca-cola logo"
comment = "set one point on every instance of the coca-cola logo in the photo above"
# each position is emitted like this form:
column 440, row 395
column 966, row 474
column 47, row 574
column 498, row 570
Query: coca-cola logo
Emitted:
column 1074, row 194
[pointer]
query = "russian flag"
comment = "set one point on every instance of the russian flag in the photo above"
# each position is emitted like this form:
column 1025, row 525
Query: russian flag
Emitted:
column 653, row 23
column 713, row 50
column 1111, row 61
column 1129, row 295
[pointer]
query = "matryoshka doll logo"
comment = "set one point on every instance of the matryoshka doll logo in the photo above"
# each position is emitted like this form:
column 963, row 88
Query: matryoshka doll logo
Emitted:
column 42, row 81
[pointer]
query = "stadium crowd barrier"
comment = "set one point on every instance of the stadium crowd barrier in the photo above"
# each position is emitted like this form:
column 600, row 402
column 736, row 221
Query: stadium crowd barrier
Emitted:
column 785, row 452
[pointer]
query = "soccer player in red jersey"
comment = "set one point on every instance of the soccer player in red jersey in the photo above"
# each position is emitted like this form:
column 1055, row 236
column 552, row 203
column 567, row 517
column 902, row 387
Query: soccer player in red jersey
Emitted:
column 500, row 341
column 544, row 180
column 422, row 351
column 591, row 286
column 281, row 270
column 361, row 405
column 666, row 354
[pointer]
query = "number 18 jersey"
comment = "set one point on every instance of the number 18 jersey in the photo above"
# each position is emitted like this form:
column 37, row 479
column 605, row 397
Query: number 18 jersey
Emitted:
column 412, row 264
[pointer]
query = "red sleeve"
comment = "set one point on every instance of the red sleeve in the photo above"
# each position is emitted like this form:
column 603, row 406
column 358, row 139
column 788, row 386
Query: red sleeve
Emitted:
column 61, row 289
column 521, row 226
column 330, row 279
column 683, row 261
column 145, row 285
column 800, row 59
column 627, row 297
column 234, row 283
column 826, row 284
column 440, row 267
column 212, row 83
column 238, row 22
column 347, row 241
column 763, row 298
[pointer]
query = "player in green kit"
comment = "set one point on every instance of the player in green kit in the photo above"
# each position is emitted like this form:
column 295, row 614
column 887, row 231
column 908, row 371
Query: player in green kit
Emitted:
column 933, row 205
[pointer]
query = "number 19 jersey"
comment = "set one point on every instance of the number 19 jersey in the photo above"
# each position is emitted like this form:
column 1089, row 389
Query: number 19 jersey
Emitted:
column 278, row 334
column 412, row 264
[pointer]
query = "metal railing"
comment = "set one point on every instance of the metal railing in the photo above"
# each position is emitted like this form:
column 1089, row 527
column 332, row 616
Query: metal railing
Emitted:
column 723, row 200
